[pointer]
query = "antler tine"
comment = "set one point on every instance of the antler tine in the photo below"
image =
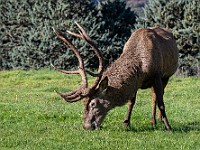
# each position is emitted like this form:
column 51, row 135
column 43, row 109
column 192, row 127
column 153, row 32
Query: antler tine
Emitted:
column 65, row 71
column 75, row 34
column 75, row 95
column 71, row 98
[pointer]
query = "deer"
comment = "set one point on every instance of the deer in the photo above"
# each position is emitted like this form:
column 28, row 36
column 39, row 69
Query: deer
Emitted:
column 148, row 60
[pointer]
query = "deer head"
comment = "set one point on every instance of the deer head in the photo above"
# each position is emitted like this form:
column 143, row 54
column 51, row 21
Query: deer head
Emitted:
column 96, row 105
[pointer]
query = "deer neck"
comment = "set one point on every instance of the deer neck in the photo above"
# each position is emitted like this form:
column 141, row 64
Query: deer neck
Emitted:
column 123, row 80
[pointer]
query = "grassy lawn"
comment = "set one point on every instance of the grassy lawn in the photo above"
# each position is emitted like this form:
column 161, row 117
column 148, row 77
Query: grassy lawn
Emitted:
column 32, row 116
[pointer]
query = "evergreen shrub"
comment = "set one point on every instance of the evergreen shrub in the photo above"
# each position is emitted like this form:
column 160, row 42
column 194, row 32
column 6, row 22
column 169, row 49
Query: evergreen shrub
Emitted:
column 27, row 39
column 183, row 18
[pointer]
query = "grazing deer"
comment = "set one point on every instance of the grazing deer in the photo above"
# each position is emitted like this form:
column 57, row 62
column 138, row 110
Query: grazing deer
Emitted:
column 149, row 58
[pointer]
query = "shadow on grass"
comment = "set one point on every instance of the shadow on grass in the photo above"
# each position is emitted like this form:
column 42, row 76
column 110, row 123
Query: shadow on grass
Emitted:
column 176, row 127
column 191, row 126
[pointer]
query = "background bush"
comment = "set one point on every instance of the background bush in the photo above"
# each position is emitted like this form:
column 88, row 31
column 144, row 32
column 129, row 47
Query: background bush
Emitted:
column 28, row 40
column 182, row 17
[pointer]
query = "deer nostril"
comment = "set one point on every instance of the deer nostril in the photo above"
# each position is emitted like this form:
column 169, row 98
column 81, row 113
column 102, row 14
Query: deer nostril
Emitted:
column 93, row 119
column 93, row 123
column 93, row 126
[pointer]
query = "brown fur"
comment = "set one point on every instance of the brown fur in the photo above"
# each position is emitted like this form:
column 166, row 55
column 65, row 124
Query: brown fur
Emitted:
column 145, row 54
column 148, row 55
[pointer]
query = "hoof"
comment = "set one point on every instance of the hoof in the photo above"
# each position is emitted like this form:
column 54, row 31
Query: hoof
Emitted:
column 168, row 128
column 153, row 123
column 126, row 124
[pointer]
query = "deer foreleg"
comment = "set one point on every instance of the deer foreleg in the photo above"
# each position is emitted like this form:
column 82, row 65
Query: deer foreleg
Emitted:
column 128, row 114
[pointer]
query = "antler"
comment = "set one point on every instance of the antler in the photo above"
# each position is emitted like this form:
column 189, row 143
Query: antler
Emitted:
column 80, row 92
column 82, row 34
column 83, row 91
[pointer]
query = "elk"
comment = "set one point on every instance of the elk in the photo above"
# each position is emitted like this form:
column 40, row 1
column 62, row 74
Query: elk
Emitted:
column 148, row 60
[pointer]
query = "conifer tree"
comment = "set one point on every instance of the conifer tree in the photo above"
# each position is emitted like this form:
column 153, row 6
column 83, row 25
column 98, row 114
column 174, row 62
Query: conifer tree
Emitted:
column 183, row 18
column 28, row 40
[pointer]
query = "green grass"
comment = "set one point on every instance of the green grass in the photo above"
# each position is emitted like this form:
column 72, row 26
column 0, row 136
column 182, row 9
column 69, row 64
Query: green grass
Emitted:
column 32, row 116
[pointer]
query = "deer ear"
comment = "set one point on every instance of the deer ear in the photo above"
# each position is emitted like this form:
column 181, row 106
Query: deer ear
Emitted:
column 103, row 85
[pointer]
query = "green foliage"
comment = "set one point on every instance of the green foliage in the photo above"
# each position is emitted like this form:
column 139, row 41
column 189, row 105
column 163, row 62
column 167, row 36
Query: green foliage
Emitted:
column 182, row 17
column 33, row 116
column 27, row 36
column 117, row 21
column 28, row 40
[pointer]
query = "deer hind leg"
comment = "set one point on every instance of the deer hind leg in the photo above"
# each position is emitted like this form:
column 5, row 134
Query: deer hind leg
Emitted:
column 153, row 119
column 154, row 102
column 158, row 90
column 164, row 84
column 131, row 103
